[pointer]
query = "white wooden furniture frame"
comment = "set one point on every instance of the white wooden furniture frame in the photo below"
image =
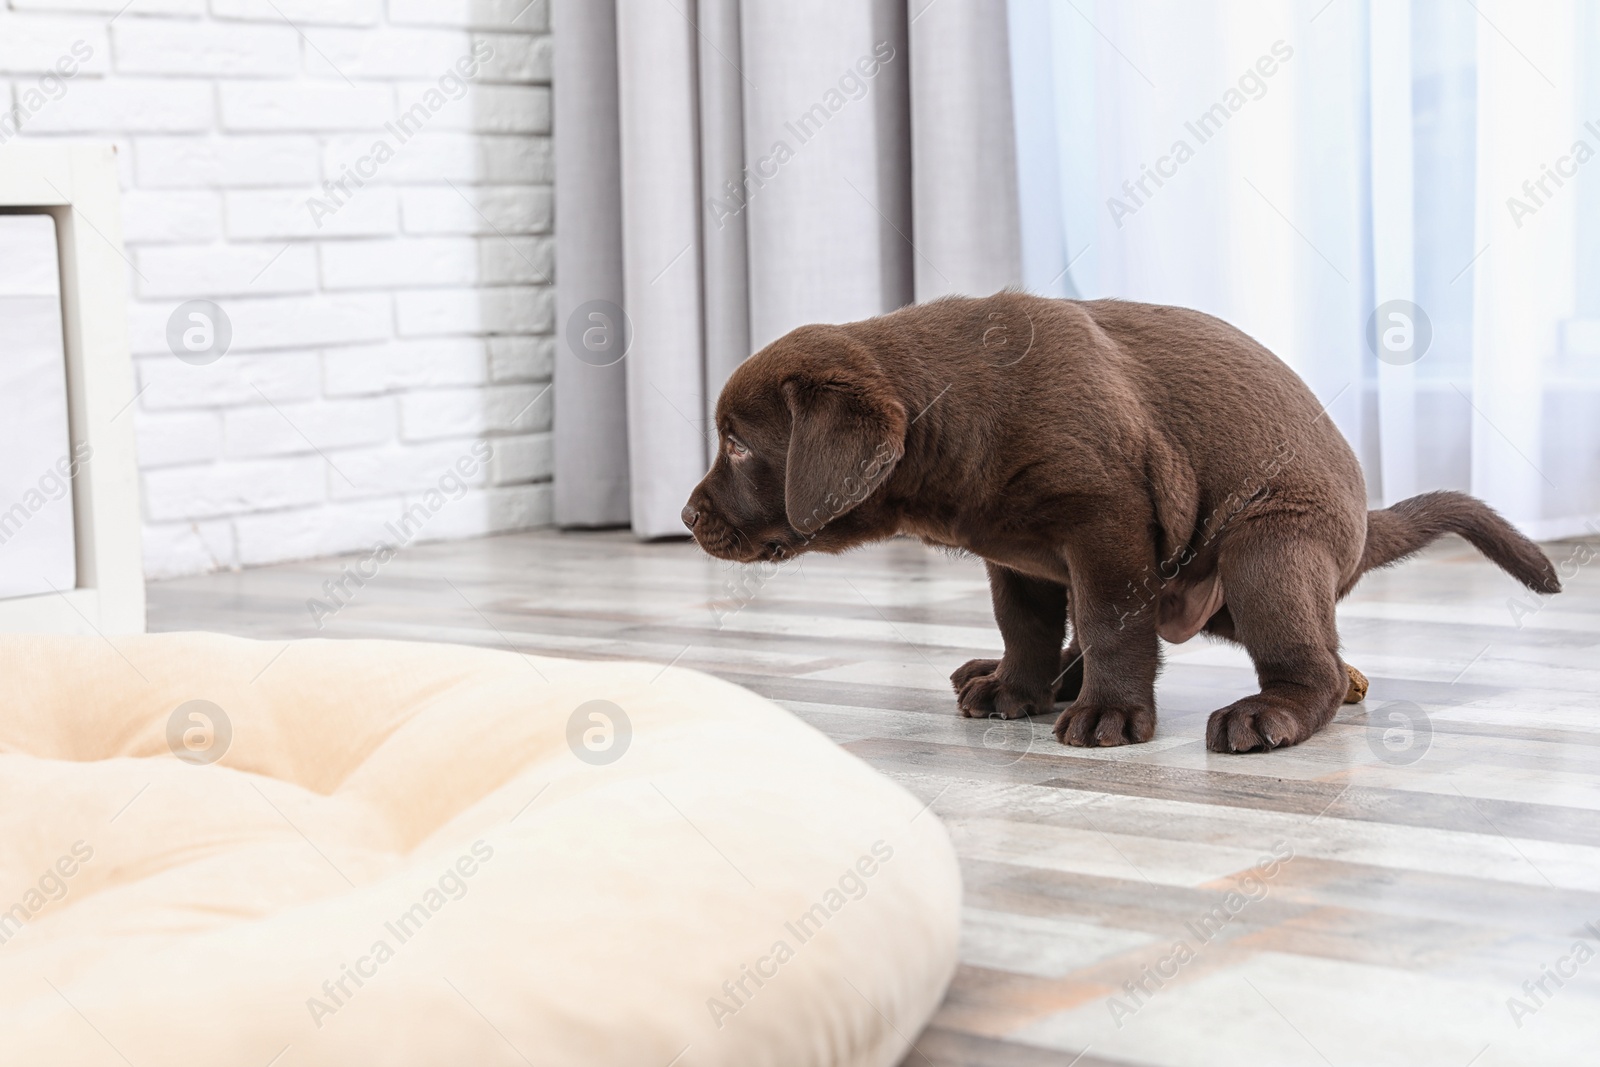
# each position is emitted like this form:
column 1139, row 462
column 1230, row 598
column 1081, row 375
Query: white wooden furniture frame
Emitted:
column 77, row 185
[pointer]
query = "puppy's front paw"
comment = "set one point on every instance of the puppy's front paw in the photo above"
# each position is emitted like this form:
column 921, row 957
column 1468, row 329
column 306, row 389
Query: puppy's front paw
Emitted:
column 1105, row 725
column 1068, row 682
column 985, row 696
column 971, row 669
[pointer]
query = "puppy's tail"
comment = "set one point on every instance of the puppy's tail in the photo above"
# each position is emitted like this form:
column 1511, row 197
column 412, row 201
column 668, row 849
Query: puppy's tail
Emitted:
column 1396, row 532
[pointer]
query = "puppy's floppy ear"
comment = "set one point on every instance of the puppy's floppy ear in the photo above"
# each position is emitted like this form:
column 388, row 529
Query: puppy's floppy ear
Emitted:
column 845, row 438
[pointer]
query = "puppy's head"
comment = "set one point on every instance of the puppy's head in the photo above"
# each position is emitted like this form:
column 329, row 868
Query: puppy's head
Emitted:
column 807, row 430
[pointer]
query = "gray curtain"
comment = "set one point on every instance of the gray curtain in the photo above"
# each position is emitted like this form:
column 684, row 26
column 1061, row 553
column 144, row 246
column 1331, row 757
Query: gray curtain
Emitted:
column 591, row 436
column 728, row 171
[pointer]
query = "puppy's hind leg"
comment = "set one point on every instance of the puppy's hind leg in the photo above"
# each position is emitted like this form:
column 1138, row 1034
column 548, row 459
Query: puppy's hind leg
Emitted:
column 1280, row 586
column 1032, row 616
column 1221, row 626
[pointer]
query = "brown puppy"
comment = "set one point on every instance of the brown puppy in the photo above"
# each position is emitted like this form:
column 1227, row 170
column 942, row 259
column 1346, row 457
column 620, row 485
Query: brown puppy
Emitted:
column 1141, row 472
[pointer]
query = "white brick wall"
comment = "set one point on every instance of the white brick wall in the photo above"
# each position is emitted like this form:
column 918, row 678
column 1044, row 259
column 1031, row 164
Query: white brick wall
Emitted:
column 369, row 352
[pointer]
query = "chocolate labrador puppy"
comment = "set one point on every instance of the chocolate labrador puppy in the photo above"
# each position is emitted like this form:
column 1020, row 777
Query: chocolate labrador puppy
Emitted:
column 1138, row 472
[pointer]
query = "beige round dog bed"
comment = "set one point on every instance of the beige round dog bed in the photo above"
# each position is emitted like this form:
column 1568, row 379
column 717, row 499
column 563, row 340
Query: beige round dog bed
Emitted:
column 220, row 851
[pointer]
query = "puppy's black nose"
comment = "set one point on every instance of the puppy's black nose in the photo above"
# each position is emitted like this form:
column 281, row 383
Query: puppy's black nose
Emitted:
column 690, row 516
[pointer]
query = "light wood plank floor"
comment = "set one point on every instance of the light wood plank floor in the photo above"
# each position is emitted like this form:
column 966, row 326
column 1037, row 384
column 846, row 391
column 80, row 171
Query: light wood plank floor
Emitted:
column 1437, row 848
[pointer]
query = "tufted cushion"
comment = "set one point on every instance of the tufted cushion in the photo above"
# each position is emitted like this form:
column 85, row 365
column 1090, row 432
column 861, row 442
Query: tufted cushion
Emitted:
column 400, row 858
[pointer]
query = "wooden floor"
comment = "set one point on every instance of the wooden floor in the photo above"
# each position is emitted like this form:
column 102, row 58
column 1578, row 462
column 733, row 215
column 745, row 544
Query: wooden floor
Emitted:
column 1419, row 884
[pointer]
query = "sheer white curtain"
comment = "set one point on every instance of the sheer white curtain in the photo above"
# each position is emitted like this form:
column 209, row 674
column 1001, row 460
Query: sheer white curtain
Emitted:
column 1345, row 181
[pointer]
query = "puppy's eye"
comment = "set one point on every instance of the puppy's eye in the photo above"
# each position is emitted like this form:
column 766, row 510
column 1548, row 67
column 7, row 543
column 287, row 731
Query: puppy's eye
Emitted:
column 736, row 449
